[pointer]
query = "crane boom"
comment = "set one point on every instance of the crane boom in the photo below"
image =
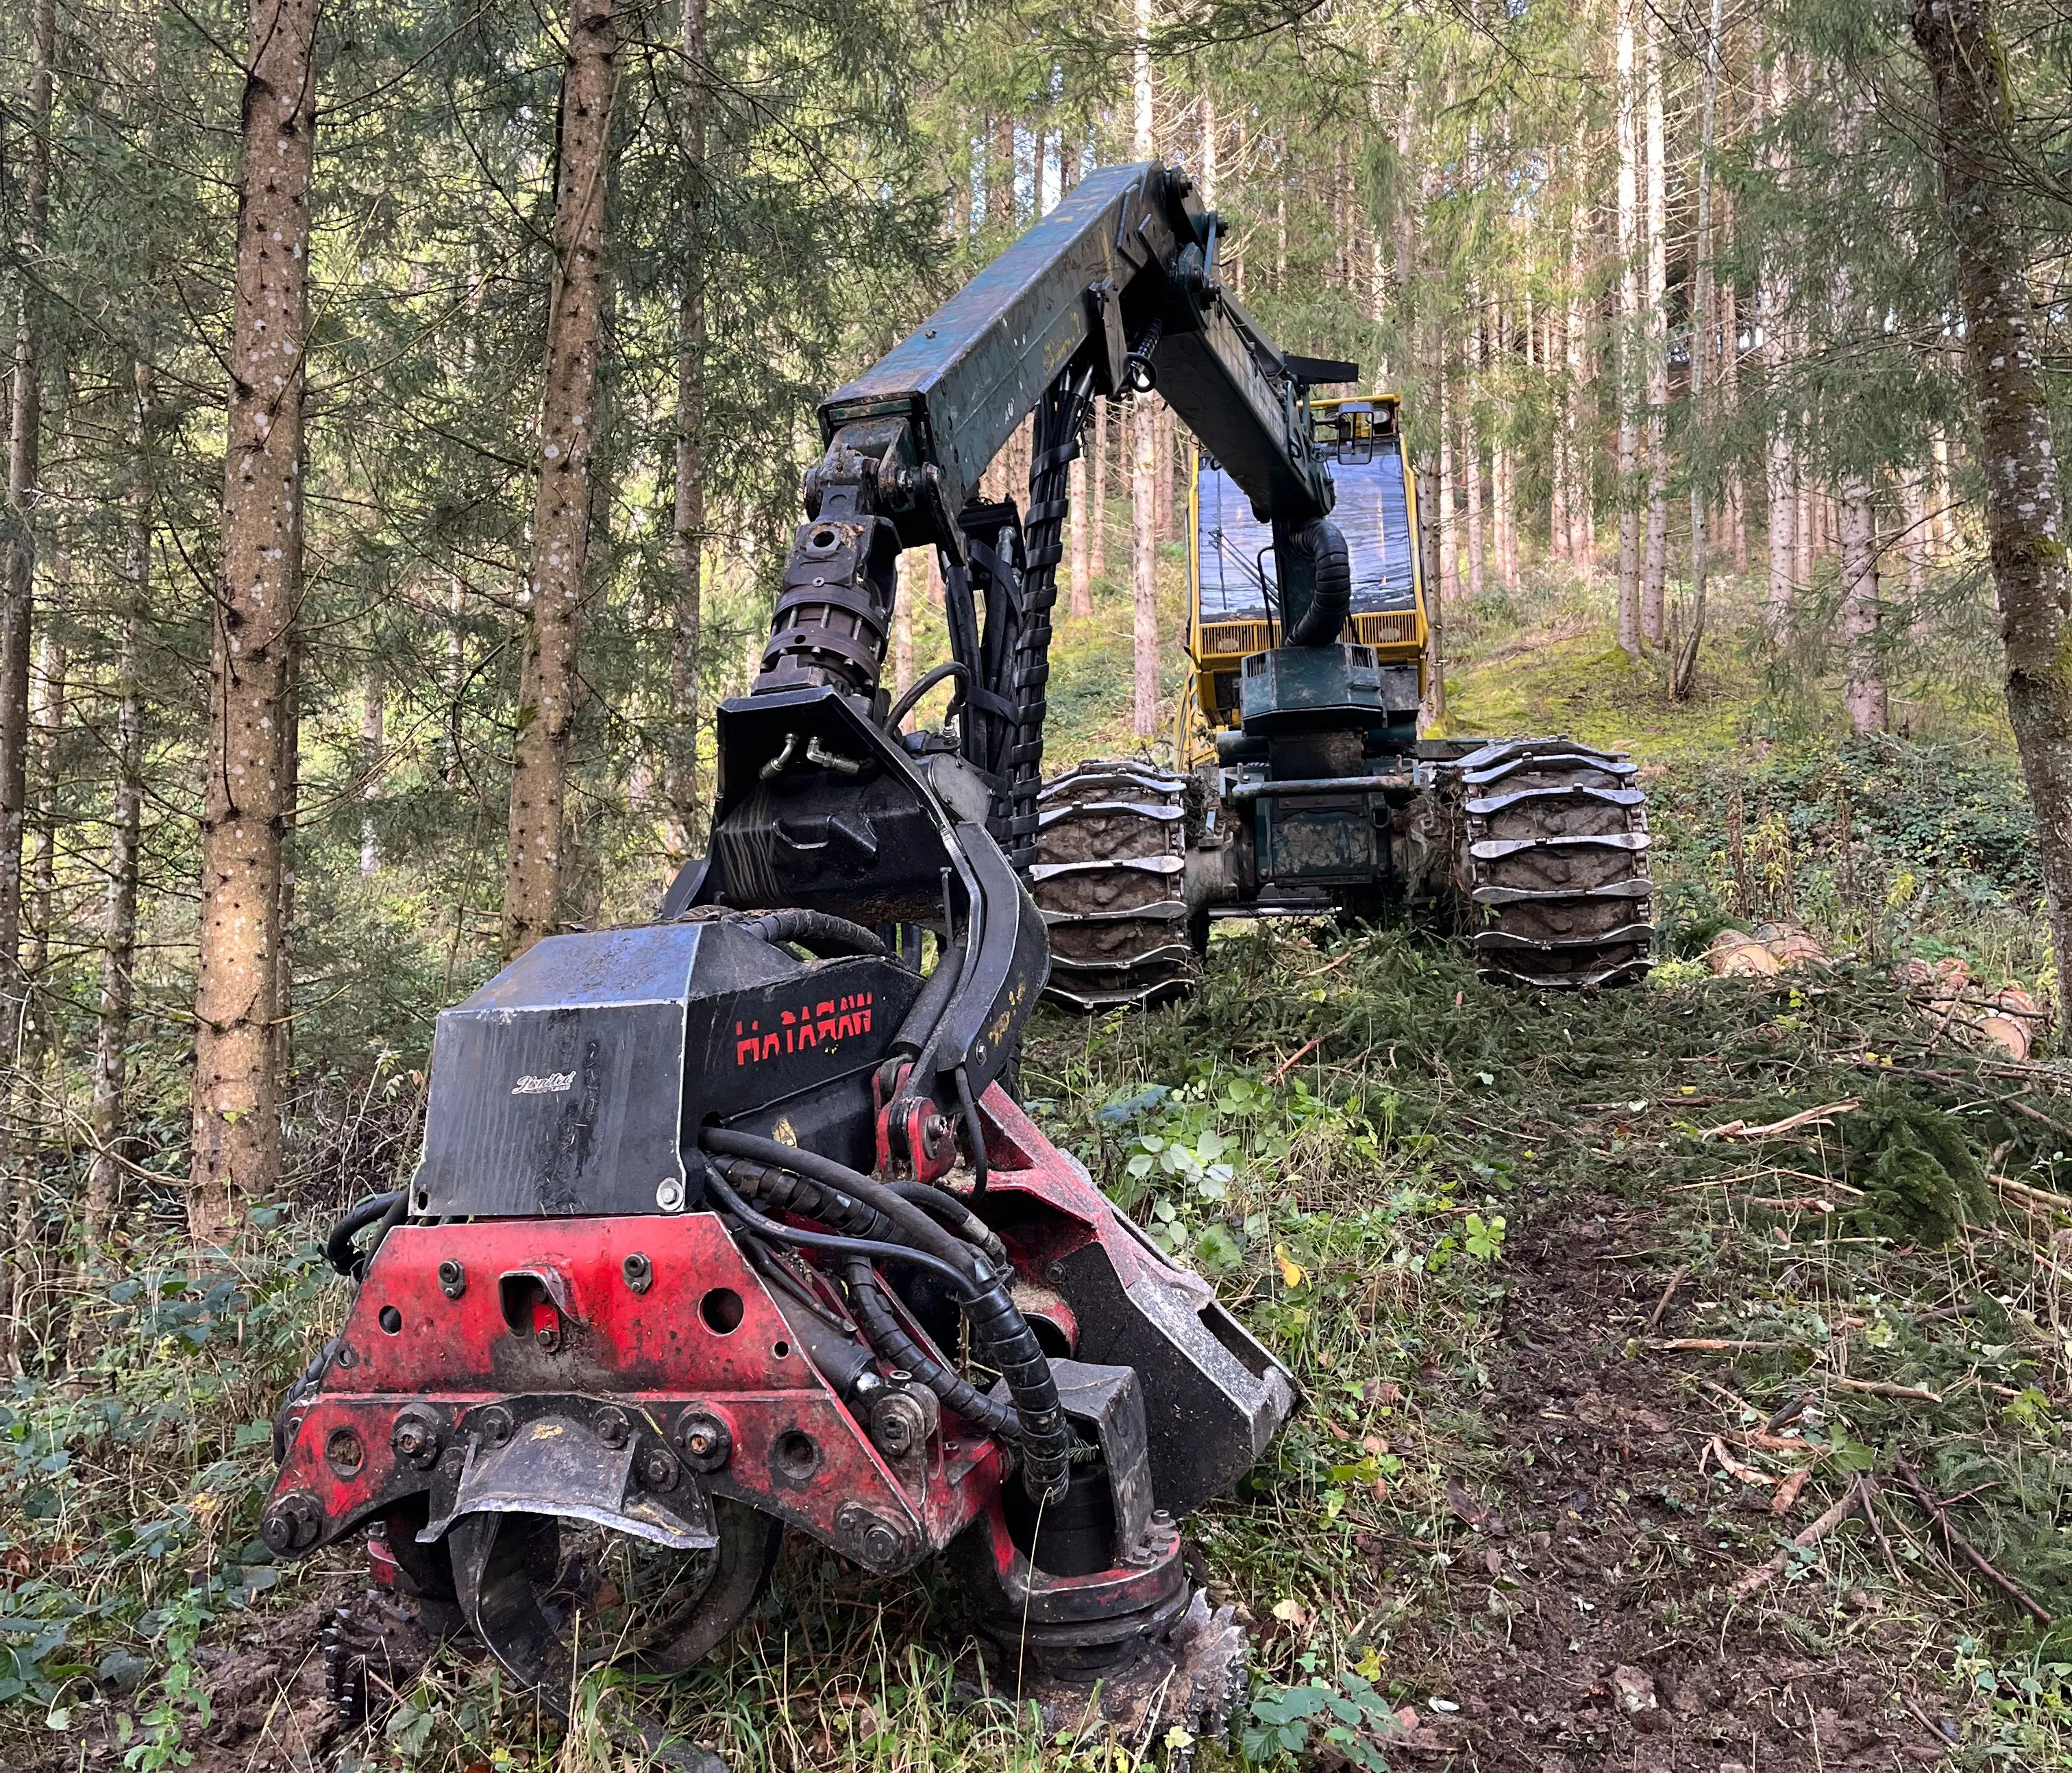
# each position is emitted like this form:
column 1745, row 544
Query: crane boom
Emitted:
column 823, row 803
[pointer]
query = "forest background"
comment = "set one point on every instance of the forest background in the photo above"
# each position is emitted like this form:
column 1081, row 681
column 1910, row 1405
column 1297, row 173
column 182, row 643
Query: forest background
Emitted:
column 514, row 321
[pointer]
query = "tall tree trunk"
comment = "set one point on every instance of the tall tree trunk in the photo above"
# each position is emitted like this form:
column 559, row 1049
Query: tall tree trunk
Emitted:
column 1631, row 344
column 53, row 668
column 1805, row 520
column 118, row 931
column 561, row 514
column 1864, row 692
column 1730, row 404
column 1913, row 547
column 373, row 723
column 1686, row 670
column 17, row 604
column 1655, row 573
column 1577, row 432
column 1431, row 542
column 1097, row 497
column 1449, row 537
column 2018, row 456
column 236, row 1087
column 1471, row 469
column 1144, row 421
column 910, row 582
column 687, row 533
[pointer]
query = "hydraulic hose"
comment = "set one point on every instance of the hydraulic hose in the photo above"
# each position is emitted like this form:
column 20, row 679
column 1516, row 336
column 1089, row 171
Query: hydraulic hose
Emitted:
column 820, row 933
column 338, row 1247
column 1323, row 548
column 883, row 1331
column 940, row 1204
column 868, row 1249
column 998, row 1324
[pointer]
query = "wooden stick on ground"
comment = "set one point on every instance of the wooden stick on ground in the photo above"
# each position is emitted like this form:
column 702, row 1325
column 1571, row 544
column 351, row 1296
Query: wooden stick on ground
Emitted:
column 1294, row 1059
column 1882, row 1388
column 1668, row 1292
column 1931, row 1505
column 1712, row 1344
column 1763, row 1574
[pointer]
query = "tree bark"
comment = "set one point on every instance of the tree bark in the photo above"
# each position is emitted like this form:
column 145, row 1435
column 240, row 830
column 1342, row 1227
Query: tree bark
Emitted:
column 2018, row 454
column 561, row 513
column 1097, row 536
column 1449, row 540
column 1577, row 431
column 17, row 600
column 373, row 724
column 1686, row 670
column 118, row 932
column 687, row 535
column 1863, row 690
column 236, row 1088
column 1655, row 573
column 1471, row 469
column 1144, row 421
column 1630, row 342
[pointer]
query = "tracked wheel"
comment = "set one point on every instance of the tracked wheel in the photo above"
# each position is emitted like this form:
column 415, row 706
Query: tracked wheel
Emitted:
column 1552, row 864
column 1110, row 880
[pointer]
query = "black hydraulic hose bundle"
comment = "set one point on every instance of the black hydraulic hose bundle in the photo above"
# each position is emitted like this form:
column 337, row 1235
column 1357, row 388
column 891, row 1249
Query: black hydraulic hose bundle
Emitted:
column 385, row 1209
column 817, row 1188
column 820, row 932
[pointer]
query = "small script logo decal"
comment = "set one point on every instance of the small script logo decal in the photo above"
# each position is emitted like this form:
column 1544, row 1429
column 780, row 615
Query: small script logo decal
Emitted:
column 551, row 1085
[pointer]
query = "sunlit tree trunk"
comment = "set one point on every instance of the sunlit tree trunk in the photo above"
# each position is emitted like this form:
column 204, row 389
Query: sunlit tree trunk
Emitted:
column 1914, row 546
column 1655, row 574
column 911, row 580
column 1730, row 400
column 373, row 727
column 1450, row 538
column 1575, row 431
column 2022, row 469
column 246, row 803
column 561, row 514
column 1863, row 691
column 1471, row 469
column 686, row 526
column 1631, row 344
column 1097, row 498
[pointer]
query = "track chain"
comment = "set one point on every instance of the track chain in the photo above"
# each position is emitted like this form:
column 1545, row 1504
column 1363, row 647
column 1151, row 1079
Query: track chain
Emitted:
column 1109, row 878
column 1551, row 866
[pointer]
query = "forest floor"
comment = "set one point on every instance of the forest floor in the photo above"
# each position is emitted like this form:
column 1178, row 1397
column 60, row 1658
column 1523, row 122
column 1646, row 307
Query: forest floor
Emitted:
column 1581, row 1357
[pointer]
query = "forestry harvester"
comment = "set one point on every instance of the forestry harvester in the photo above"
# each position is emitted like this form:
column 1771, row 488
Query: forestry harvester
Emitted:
column 725, row 1224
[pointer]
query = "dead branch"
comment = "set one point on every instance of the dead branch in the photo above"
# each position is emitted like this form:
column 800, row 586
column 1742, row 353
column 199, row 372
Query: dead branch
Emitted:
column 1822, row 1116
column 1883, row 1388
column 1932, row 1506
column 1668, row 1292
column 1763, row 1574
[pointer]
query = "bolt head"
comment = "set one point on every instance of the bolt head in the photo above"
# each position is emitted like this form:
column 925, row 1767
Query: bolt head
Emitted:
column 658, row 1469
column 612, row 1427
column 669, row 1195
column 495, row 1424
column 548, row 1337
column 704, row 1441
column 639, row 1271
column 417, row 1443
column 880, row 1544
column 453, row 1278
